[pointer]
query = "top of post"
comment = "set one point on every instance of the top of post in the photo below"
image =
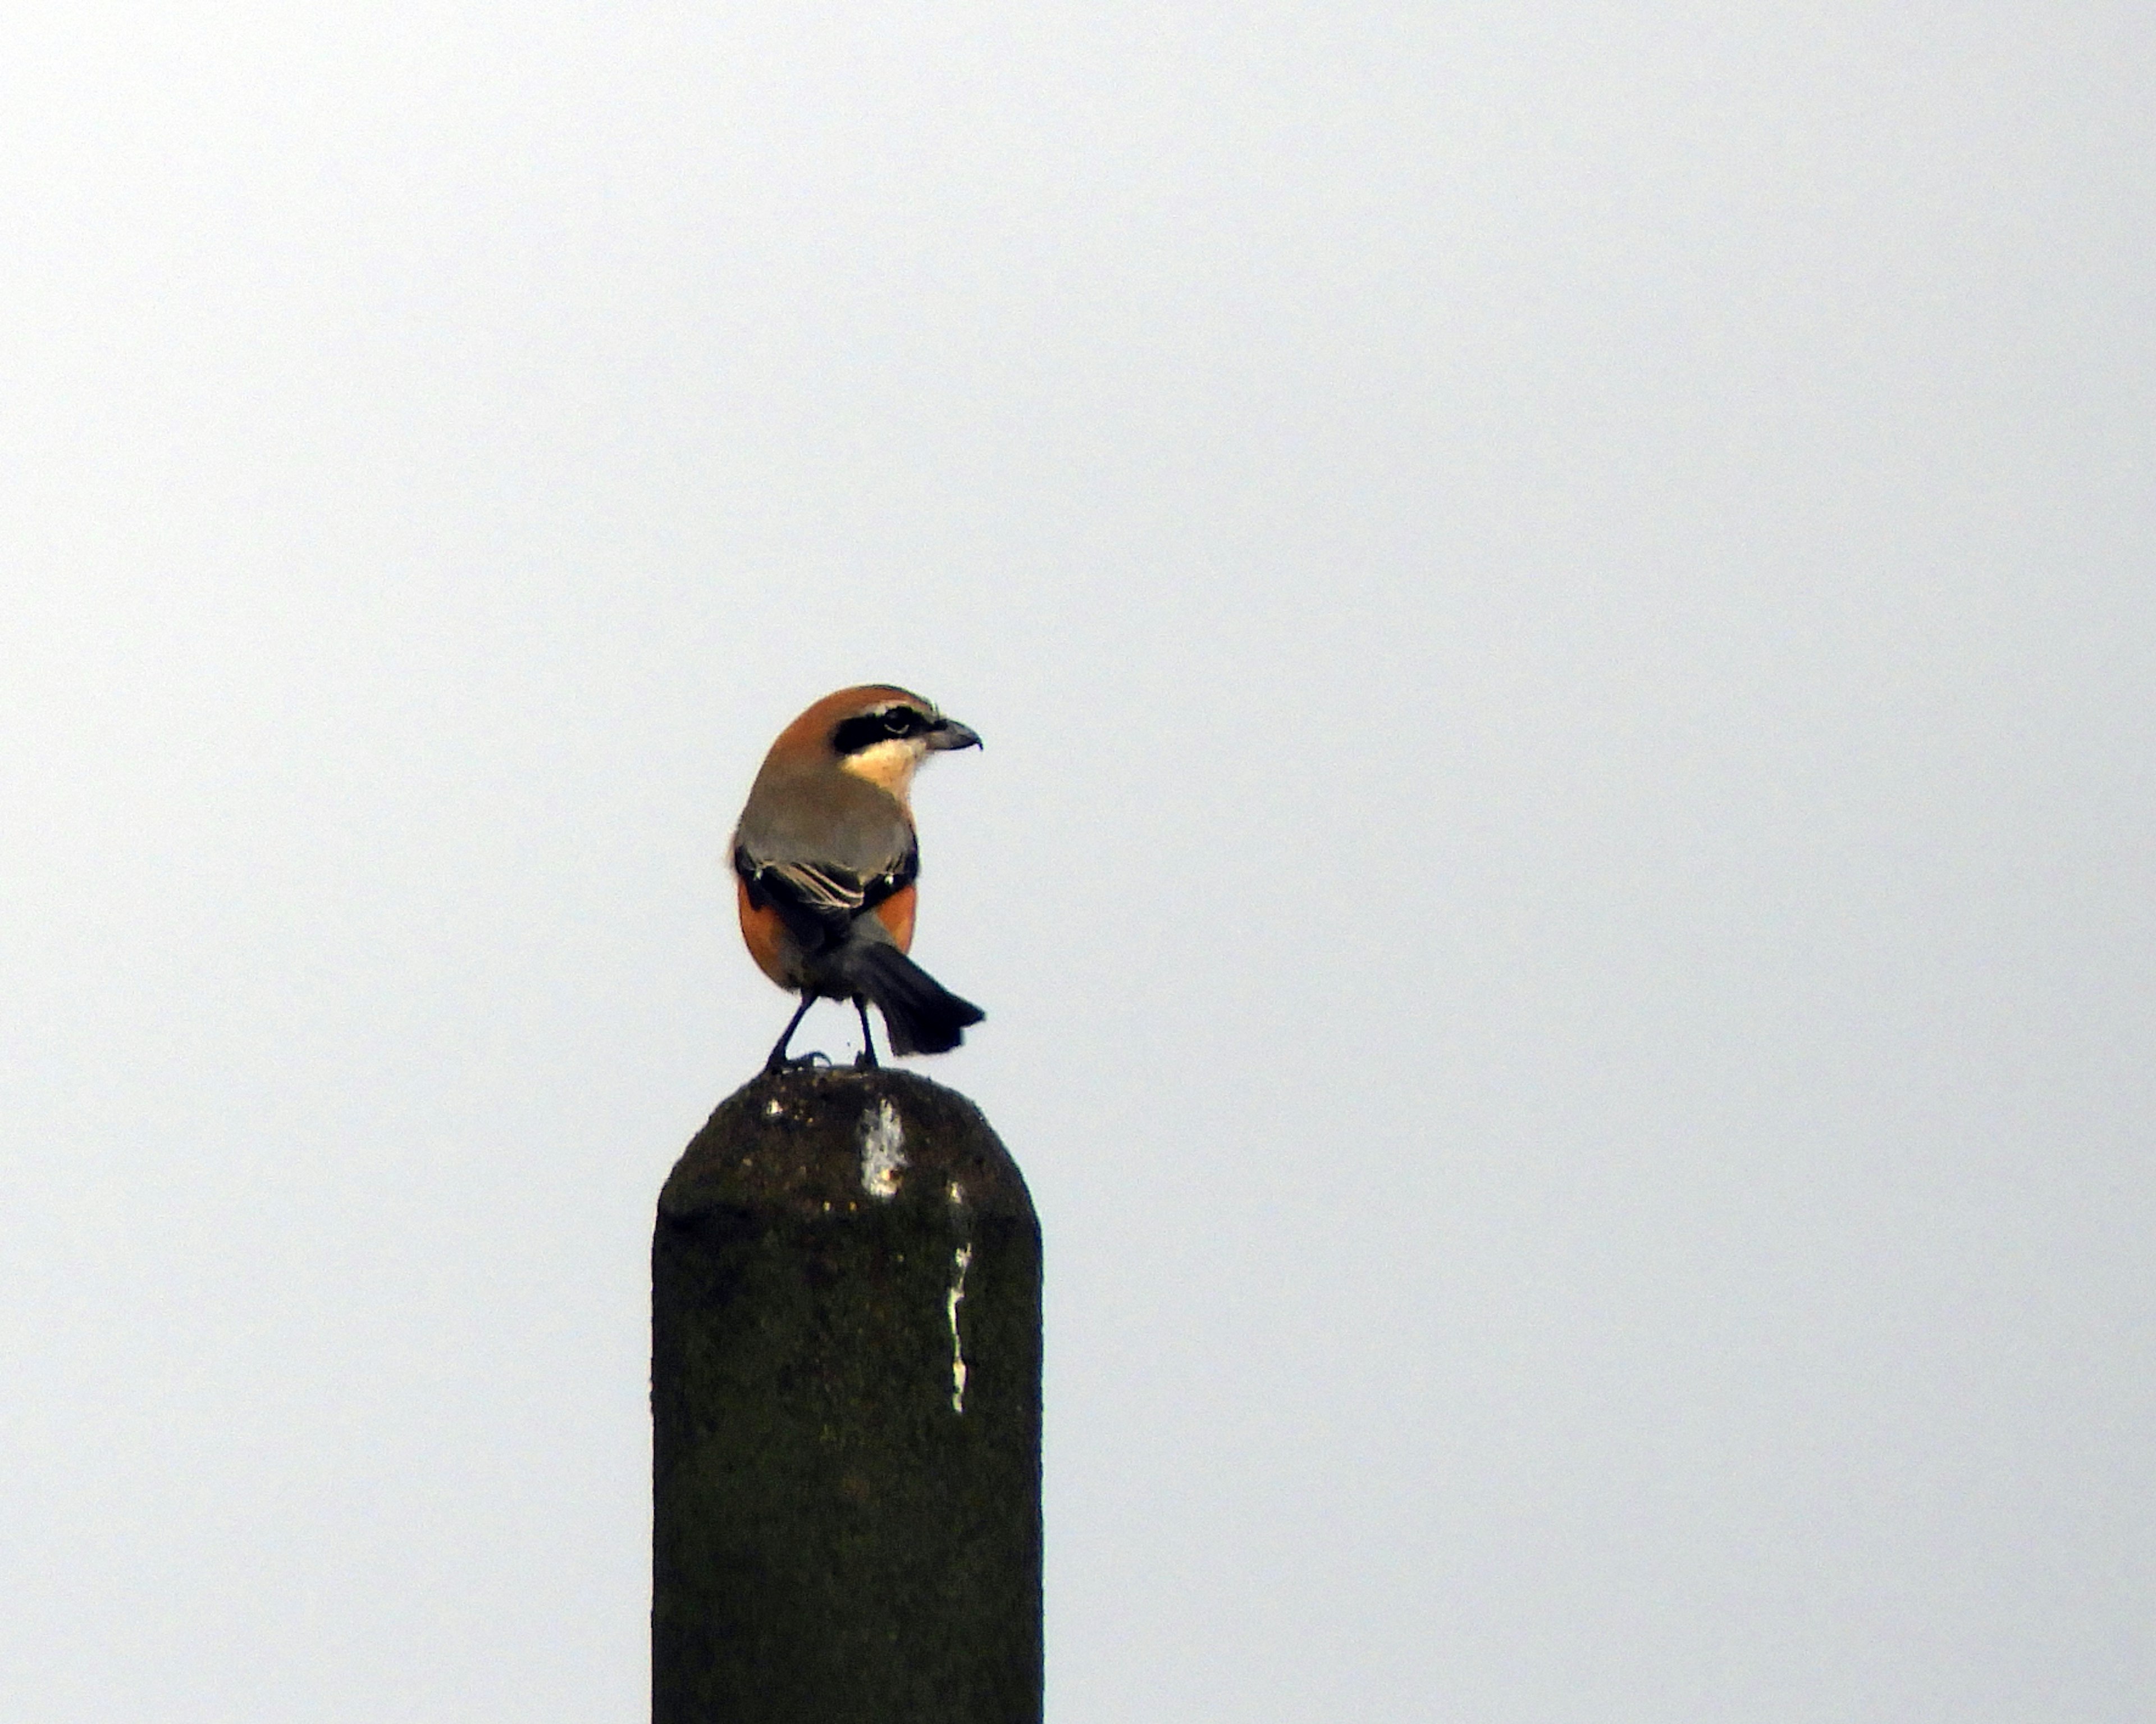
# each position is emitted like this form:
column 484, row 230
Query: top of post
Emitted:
column 838, row 1140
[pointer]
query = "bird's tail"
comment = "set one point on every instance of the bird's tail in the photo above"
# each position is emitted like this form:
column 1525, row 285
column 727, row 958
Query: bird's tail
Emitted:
column 922, row 1015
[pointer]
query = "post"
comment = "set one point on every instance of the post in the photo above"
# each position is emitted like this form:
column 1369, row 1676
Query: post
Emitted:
column 845, row 1402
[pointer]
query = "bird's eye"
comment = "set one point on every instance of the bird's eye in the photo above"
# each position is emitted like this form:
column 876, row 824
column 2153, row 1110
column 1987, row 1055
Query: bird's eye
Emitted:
column 866, row 729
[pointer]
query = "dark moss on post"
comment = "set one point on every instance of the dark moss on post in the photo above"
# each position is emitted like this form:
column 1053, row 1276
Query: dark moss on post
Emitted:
column 845, row 1396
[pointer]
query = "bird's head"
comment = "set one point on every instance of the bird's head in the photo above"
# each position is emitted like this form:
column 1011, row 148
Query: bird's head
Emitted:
column 882, row 733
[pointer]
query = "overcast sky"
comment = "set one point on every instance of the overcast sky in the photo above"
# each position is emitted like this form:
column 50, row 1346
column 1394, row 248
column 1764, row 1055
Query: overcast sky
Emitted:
column 1561, row 599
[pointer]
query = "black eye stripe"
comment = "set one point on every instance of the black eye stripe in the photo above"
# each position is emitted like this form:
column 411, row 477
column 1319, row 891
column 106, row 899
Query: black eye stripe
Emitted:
column 864, row 730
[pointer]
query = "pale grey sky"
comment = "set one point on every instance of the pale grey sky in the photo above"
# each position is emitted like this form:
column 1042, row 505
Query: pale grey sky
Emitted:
column 1561, row 600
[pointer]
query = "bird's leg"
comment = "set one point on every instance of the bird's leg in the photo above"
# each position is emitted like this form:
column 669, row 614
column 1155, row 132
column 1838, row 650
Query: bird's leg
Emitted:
column 867, row 1060
column 779, row 1061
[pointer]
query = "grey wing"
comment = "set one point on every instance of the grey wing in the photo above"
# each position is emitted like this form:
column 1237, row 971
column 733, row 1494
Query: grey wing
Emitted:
column 818, row 901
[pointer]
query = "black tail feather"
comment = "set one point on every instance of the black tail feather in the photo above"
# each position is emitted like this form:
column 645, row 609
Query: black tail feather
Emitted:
column 922, row 1015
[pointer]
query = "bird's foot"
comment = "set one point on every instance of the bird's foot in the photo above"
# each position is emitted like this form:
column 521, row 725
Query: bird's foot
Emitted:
column 799, row 1062
column 866, row 1060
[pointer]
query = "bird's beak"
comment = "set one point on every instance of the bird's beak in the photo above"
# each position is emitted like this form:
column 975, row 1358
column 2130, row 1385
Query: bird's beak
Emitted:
column 949, row 733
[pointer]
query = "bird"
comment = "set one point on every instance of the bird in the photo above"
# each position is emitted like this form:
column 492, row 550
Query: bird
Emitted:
column 826, row 860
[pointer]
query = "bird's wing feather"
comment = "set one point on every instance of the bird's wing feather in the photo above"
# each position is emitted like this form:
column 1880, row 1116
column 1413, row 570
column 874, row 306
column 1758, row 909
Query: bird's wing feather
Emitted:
column 818, row 901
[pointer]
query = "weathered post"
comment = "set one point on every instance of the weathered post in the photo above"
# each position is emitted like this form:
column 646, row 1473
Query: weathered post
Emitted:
column 846, row 1398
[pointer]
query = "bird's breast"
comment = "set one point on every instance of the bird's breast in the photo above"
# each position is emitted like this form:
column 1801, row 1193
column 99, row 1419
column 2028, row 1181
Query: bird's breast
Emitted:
column 896, row 913
column 765, row 935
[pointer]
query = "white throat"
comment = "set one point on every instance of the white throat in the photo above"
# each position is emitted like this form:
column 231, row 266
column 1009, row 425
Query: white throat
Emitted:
column 888, row 765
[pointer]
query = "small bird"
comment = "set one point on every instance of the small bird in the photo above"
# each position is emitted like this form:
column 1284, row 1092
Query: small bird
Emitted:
column 825, row 860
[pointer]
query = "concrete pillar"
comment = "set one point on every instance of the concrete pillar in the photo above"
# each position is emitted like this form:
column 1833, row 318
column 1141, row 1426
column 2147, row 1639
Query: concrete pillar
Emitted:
column 845, row 1398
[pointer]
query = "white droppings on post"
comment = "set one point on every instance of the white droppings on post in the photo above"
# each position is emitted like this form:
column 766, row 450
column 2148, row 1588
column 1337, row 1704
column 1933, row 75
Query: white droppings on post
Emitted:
column 960, row 1259
column 957, row 1195
column 883, row 1152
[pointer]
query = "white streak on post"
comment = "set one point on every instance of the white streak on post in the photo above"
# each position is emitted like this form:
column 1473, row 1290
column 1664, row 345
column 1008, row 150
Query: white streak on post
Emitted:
column 960, row 1259
column 883, row 1152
